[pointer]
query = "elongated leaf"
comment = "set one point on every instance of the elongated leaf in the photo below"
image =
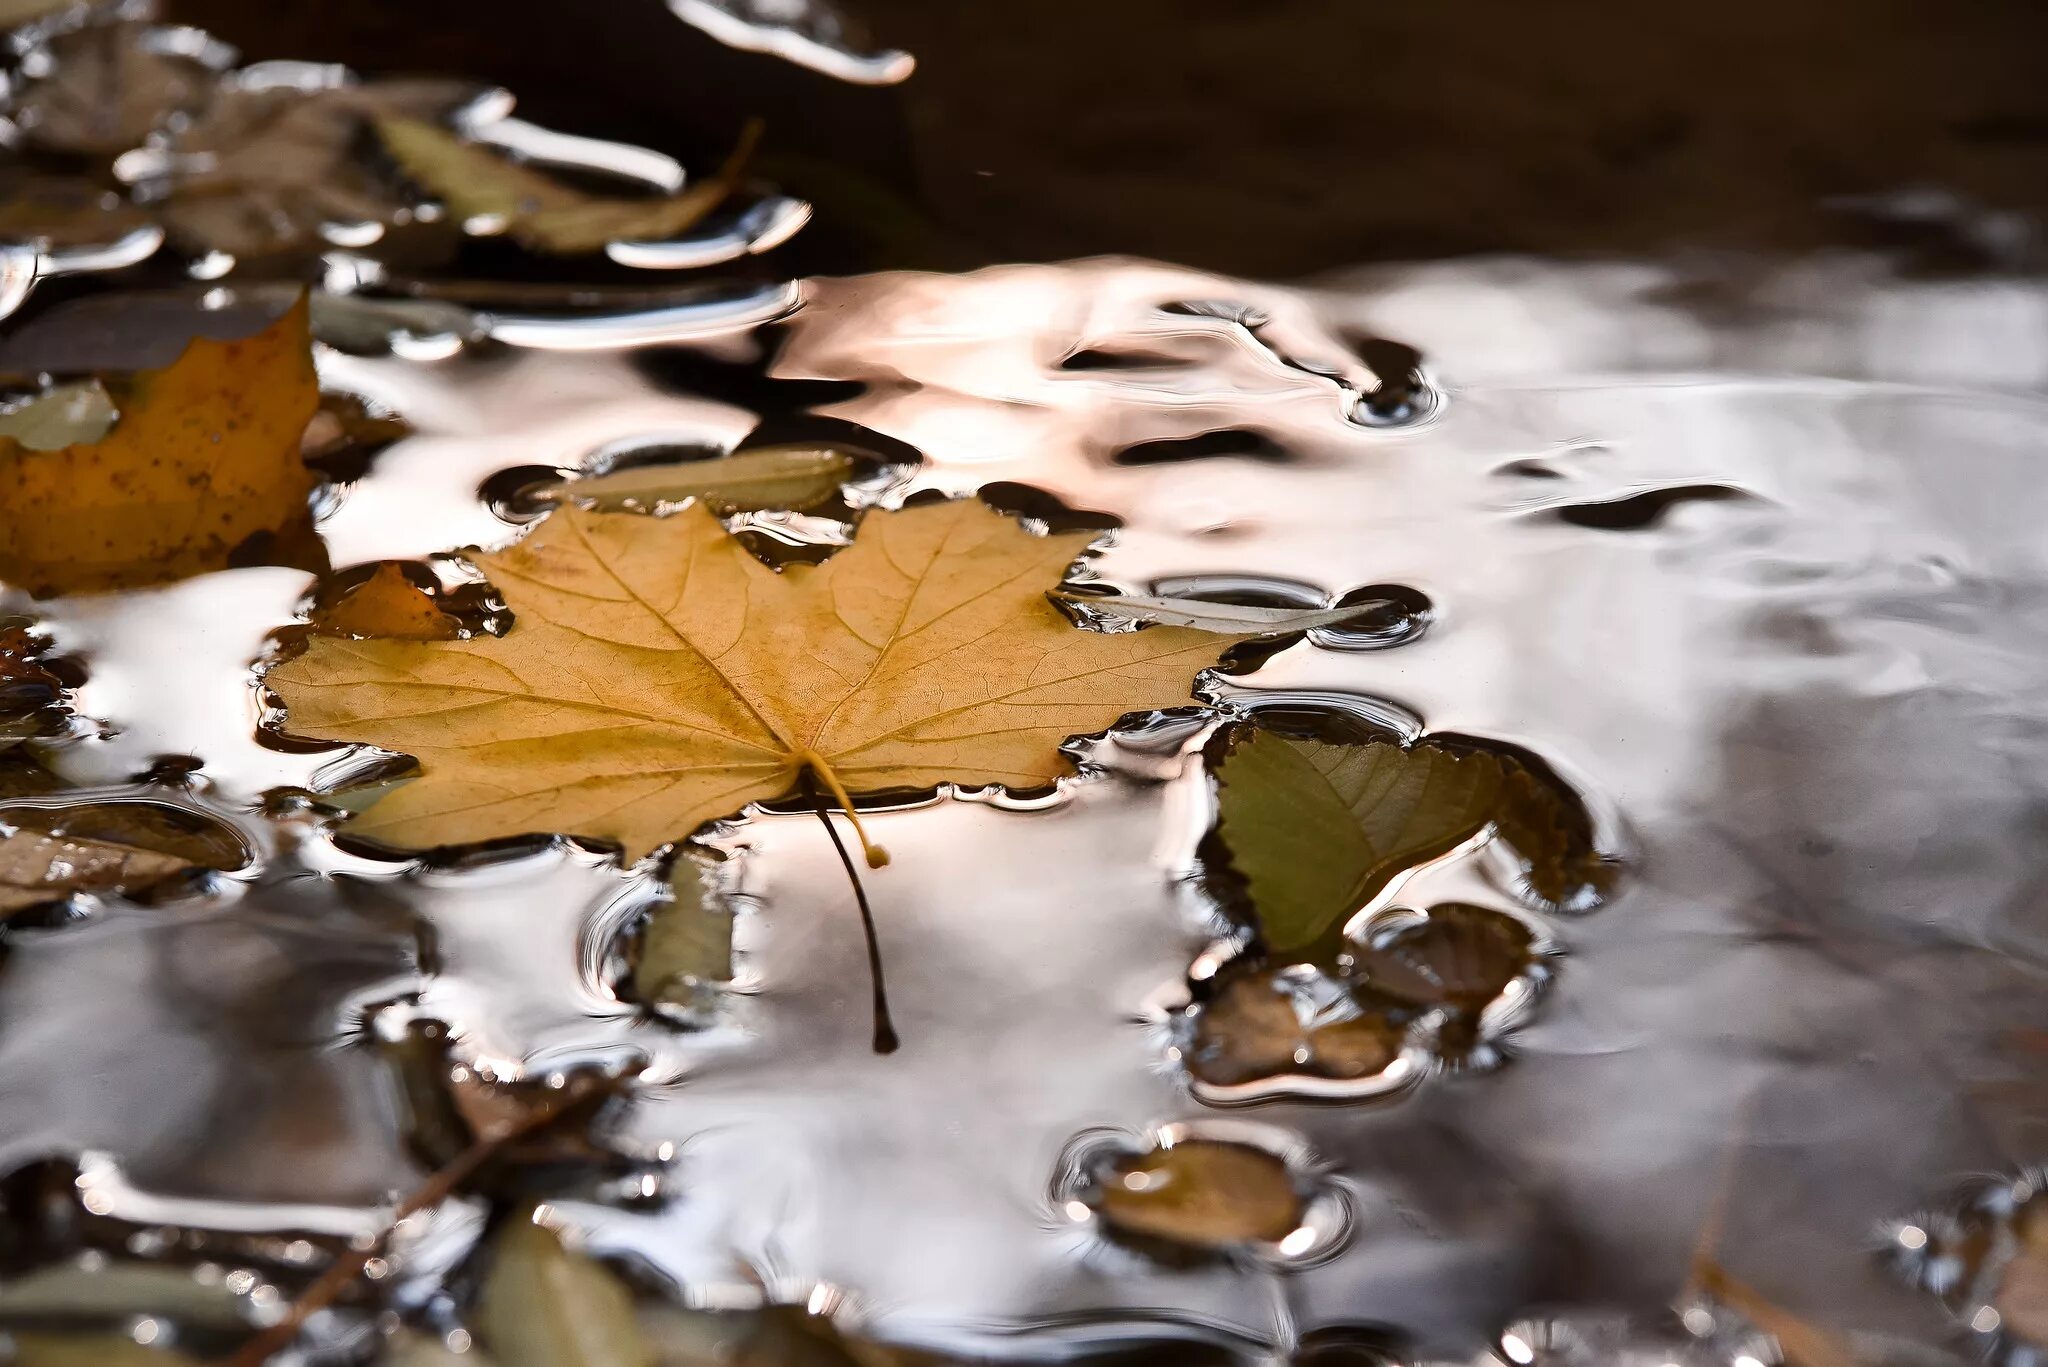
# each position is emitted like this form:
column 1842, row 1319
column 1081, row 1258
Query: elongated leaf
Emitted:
column 1230, row 619
column 544, row 1305
column 792, row 477
column 1317, row 829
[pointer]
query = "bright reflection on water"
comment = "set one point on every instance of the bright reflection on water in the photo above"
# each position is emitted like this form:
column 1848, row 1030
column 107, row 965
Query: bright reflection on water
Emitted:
column 1765, row 580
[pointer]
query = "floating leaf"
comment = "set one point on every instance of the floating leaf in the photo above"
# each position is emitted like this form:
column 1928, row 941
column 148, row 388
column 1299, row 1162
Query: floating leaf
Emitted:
column 1258, row 1025
column 387, row 605
column 545, row 1305
column 1230, row 619
column 1202, row 1193
column 31, row 697
column 159, row 826
column 686, row 948
column 67, row 415
column 37, row 868
column 540, row 212
column 55, row 213
column 793, row 477
column 204, row 458
column 1317, row 829
column 262, row 169
column 1458, row 959
column 658, row 676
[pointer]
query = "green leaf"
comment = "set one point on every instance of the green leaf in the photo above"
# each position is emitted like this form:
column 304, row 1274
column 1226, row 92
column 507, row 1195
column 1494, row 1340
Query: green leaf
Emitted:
column 120, row 1291
column 1316, row 829
column 1230, row 619
column 770, row 477
column 545, row 1305
column 686, row 949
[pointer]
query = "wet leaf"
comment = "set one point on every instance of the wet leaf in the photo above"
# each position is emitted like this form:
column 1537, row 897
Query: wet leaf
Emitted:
column 37, row 868
column 347, row 427
column 545, row 1305
column 204, row 458
column 540, row 212
column 31, row 697
column 262, row 170
column 158, row 826
column 56, row 418
column 1231, row 619
column 658, row 676
column 408, row 1349
column 1202, row 1193
column 1460, row 956
column 1258, row 1025
column 686, row 948
column 773, row 477
column 91, row 1350
column 387, row 605
column 110, row 87
column 21, row 776
column 1317, row 829
column 54, row 212
column 120, row 1291
column 2022, row 1296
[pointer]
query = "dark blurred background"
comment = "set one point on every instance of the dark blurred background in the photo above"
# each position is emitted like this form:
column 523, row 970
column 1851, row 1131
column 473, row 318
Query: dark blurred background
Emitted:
column 1279, row 137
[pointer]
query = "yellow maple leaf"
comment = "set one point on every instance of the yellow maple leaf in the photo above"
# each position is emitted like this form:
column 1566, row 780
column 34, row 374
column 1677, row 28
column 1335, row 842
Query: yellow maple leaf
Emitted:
column 204, row 457
column 658, row 676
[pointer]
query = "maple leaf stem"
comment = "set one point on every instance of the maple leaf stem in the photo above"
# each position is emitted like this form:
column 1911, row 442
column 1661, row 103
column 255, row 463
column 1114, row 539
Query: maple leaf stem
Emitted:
column 817, row 764
column 349, row 1264
column 886, row 1041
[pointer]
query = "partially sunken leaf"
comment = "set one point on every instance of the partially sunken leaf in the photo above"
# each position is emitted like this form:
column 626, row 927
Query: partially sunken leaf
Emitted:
column 774, row 477
column 544, row 1305
column 1317, row 829
column 1231, row 619
column 31, row 697
column 658, row 676
column 686, row 947
column 1204, row 1194
column 388, row 605
column 539, row 211
column 204, row 458
column 37, row 868
column 60, row 417
column 1255, row 1028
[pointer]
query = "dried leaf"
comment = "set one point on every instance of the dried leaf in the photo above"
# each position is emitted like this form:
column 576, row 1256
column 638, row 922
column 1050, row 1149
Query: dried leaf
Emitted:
column 387, row 605
column 686, row 947
column 544, row 1305
column 542, row 213
column 37, row 868
column 2022, row 1296
column 261, row 170
column 54, row 212
column 1230, row 619
column 66, row 415
column 792, row 477
column 658, row 676
column 157, row 826
column 1317, row 829
column 1202, row 1193
column 205, row 457
column 1459, row 956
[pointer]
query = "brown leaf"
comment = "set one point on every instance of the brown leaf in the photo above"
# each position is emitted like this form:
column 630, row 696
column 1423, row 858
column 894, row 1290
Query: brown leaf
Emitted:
column 658, row 676
column 110, row 87
column 1253, row 1029
column 205, row 457
column 37, row 868
column 1202, row 1193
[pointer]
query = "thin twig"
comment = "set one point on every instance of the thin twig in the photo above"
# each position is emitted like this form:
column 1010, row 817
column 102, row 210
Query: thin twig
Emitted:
column 886, row 1041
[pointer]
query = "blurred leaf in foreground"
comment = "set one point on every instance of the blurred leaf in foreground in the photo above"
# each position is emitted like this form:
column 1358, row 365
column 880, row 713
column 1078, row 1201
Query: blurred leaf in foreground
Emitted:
column 792, row 477
column 547, row 1305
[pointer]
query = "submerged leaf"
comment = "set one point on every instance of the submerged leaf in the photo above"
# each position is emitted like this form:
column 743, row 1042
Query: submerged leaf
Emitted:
column 387, row 605
column 56, row 418
column 2022, row 1296
column 37, row 868
column 90, row 1350
column 686, row 948
column 545, row 1305
column 1202, row 1193
column 1232, row 619
column 1317, row 829
column 204, row 458
column 31, row 697
column 55, row 212
column 539, row 211
column 158, row 826
column 1255, row 1027
column 658, row 676
column 110, row 86
column 792, row 477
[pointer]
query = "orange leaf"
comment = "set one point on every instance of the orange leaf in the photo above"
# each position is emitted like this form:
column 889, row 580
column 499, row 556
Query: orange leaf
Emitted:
column 389, row 605
column 205, row 459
